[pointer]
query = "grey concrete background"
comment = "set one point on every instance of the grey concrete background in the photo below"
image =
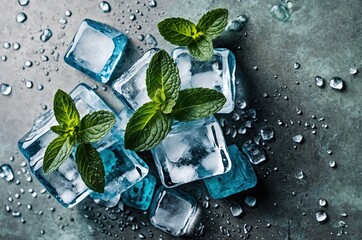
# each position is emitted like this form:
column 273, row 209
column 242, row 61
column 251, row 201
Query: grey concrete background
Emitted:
column 323, row 36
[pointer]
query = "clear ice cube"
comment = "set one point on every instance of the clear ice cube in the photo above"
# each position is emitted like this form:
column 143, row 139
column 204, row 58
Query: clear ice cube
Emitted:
column 123, row 168
column 130, row 88
column 217, row 74
column 96, row 50
column 191, row 151
column 240, row 177
column 255, row 153
column 172, row 211
column 140, row 195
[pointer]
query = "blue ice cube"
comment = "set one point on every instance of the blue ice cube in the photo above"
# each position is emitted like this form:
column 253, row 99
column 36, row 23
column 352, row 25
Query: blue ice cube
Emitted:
column 130, row 88
column 217, row 74
column 240, row 177
column 96, row 50
column 172, row 211
column 140, row 195
column 65, row 184
column 191, row 151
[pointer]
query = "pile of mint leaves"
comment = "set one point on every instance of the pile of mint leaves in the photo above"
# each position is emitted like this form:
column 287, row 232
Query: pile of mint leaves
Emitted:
column 152, row 122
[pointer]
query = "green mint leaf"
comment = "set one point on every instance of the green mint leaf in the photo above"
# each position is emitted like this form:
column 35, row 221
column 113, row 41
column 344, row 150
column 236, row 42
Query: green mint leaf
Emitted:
column 57, row 153
column 147, row 127
column 201, row 49
column 213, row 22
column 196, row 103
column 94, row 126
column 178, row 31
column 61, row 130
column 168, row 105
column 64, row 109
column 90, row 167
column 162, row 78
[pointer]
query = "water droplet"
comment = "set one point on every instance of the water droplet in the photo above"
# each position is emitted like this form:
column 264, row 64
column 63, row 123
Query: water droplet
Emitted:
column 300, row 175
column 63, row 21
column 267, row 133
column 16, row 46
column 6, row 45
column 255, row 153
column 247, row 228
column 42, row 232
column 321, row 216
column 105, row 7
column 141, row 37
column 7, row 208
column 241, row 104
column 251, row 113
column 22, row 220
column 68, row 13
column 250, row 201
column 280, row 12
column 353, row 71
column 296, row 65
column 236, row 116
column 16, row 214
column 40, row 87
column 5, row 89
column 28, row 63
column 237, row 24
column 34, row 194
column 151, row 40
column 46, row 35
column 6, row 172
column 132, row 17
column 336, row 83
column 29, row 178
column 21, row 17
column 152, row 3
column 332, row 164
column 4, row 58
column 236, row 209
column 242, row 130
column 319, row 81
column 298, row 138
column 322, row 202
column 248, row 124
column 44, row 58
column 23, row 2
column 29, row 207
column 29, row 84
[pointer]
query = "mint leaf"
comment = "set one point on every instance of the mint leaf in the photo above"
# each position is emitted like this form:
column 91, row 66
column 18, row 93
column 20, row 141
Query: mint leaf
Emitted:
column 213, row 22
column 147, row 127
column 60, row 130
column 201, row 49
column 57, row 153
column 196, row 103
column 90, row 167
column 168, row 105
column 178, row 31
column 64, row 109
column 94, row 126
column 162, row 78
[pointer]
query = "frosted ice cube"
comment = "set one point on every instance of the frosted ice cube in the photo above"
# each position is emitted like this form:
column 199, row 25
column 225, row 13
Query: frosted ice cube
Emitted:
column 96, row 50
column 65, row 184
column 202, row 152
column 217, row 74
column 172, row 211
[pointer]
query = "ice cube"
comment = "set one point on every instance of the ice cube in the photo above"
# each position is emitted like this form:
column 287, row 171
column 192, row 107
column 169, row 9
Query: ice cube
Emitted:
column 217, row 74
column 202, row 152
column 65, row 184
column 130, row 88
column 96, row 50
column 240, row 177
column 172, row 211
column 140, row 195
column 255, row 153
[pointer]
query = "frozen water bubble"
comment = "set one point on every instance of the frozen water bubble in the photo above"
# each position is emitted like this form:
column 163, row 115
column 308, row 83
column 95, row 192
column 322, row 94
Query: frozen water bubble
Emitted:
column 46, row 35
column 132, row 17
column 322, row 202
column 21, row 17
column 152, row 3
column 151, row 40
column 321, row 216
column 250, row 201
column 353, row 71
column 255, row 153
column 298, row 138
column 6, row 172
column 280, row 12
column 105, row 6
column 336, row 83
column 23, row 2
column 267, row 133
column 236, row 209
column 5, row 89
column 296, row 65
column 29, row 84
column 319, row 81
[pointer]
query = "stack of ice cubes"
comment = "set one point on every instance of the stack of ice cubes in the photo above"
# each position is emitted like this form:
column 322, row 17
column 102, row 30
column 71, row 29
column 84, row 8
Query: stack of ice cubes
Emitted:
column 123, row 167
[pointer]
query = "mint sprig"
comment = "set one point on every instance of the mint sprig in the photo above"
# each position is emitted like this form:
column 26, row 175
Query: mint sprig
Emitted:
column 74, row 131
column 151, row 123
column 197, row 37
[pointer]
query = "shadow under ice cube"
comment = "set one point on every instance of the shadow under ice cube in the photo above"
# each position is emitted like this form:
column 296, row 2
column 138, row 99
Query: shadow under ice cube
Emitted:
column 123, row 168
column 240, row 177
column 191, row 151
column 172, row 211
column 96, row 50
